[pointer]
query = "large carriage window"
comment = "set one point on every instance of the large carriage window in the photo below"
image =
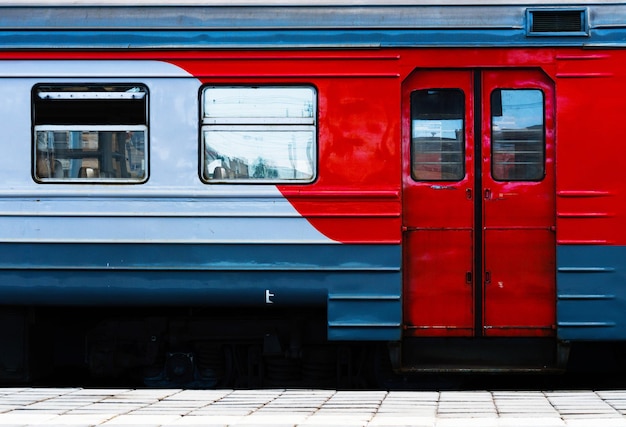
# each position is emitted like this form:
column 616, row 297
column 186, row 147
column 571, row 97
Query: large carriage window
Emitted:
column 437, row 135
column 258, row 134
column 90, row 133
column 517, row 143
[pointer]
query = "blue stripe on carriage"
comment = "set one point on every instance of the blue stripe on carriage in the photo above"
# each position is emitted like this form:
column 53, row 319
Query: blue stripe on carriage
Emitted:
column 230, row 39
column 591, row 292
column 200, row 257
column 360, row 285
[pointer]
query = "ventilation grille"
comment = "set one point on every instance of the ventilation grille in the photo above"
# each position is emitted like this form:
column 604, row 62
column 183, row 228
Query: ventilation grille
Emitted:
column 557, row 22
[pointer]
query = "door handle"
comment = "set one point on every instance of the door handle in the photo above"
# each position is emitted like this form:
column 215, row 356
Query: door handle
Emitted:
column 487, row 277
column 468, row 193
column 487, row 194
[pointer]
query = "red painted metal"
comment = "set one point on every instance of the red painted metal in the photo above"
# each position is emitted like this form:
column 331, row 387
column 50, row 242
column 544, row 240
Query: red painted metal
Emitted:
column 519, row 297
column 439, row 219
column 515, row 241
column 439, row 293
column 519, row 219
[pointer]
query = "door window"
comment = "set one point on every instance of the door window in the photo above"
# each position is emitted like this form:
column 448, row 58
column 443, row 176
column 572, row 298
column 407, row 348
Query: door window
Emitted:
column 517, row 126
column 437, row 135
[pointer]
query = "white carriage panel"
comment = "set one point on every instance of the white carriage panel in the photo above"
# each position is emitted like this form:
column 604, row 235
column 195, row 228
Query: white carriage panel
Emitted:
column 173, row 205
column 15, row 110
column 158, row 229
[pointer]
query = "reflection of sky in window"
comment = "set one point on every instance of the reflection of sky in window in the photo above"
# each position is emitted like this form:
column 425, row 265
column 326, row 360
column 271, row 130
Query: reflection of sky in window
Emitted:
column 443, row 129
column 521, row 108
column 263, row 102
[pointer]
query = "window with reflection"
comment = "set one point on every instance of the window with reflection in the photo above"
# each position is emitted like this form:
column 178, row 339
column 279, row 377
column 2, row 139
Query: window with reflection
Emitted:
column 437, row 135
column 518, row 135
column 258, row 134
column 90, row 133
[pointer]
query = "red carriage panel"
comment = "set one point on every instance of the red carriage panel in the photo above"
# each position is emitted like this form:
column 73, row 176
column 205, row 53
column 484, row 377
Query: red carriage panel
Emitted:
column 439, row 296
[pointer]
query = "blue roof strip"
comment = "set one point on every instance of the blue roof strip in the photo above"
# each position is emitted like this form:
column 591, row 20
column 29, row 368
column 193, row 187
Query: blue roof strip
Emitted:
column 283, row 39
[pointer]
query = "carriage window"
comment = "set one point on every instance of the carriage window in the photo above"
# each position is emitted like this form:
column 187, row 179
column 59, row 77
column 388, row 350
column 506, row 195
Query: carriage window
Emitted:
column 517, row 124
column 258, row 134
column 437, row 135
column 90, row 133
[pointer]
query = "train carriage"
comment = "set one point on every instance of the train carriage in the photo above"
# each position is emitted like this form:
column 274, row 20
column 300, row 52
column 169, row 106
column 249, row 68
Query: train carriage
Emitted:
column 203, row 193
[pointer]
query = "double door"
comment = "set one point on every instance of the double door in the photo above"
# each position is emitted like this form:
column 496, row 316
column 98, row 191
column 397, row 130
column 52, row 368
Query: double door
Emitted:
column 478, row 203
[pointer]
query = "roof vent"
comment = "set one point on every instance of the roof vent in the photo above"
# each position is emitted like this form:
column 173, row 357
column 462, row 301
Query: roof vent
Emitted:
column 557, row 22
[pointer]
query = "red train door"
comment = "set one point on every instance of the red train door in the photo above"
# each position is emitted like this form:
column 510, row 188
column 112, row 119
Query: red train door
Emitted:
column 478, row 203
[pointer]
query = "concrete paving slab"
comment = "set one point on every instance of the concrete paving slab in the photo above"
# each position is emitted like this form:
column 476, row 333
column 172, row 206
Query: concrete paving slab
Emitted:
column 307, row 408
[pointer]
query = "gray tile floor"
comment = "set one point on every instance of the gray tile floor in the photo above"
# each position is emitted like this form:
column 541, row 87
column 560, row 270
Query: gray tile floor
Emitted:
column 277, row 408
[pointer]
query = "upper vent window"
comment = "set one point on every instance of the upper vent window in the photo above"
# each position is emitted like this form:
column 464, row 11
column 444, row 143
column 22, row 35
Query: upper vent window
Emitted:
column 557, row 22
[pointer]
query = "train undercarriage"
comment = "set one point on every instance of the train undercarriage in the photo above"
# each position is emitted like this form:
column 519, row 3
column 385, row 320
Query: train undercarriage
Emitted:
column 192, row 348
column 217, row 348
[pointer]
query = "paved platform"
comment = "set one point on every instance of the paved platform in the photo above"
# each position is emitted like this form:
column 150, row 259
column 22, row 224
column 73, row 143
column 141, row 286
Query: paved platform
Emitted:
column 286, row 407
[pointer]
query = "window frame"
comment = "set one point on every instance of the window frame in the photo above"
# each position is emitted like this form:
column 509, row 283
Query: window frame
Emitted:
column 462, row 143
column 84, row 126
column 257, row 125
column 493, row 152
